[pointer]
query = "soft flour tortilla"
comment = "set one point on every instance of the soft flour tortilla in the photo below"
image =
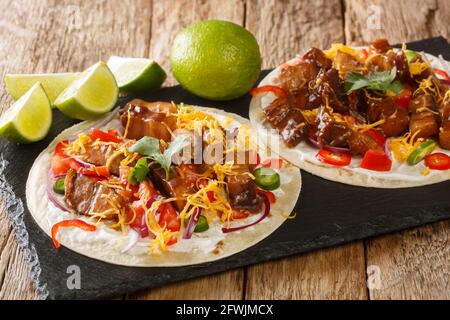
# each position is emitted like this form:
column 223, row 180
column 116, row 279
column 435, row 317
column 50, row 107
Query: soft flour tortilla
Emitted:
column 303, row 155
column 106, row 244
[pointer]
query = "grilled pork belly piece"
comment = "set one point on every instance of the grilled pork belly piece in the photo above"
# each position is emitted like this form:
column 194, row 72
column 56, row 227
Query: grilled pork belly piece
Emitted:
column 242, row 192
column 396, row 119
column 98, row 155
column 294, row 77
column 444, row 135
column 84, row 194
column 421, row 103
column 318, row 57
column 423, row 125
column 152, row 119
column 176, row 185
column 360, row 142
column 380, row 46
column 287, row 120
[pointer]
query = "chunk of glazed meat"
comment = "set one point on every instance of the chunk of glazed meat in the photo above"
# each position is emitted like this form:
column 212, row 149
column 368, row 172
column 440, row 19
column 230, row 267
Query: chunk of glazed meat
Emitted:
column 396, row 119
column 423, row 102
column 401, row 63
column 294, row 77
column 79, row 191
column 346, row 63
column 380, row 62
column 330, row 132
column 98, row 155
column 287, row 120
column 242, row 192
column 423, row 125
column 380, row 46
column 360, row 142
column 318, row 57
column 84, row 194
column 175, row 186
column 444, row 135
column 152, row 119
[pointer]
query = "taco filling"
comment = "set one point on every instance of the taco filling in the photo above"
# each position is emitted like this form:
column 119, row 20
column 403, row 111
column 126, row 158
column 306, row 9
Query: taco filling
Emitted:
column 128, row 178
column 374, row 108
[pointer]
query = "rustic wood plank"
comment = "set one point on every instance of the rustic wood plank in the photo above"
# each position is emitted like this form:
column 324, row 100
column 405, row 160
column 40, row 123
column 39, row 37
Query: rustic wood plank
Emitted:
column 334, row 273
column 168, row 18
column 50, row 36
column 284, row 29
column 413, row 264
column 223, row 286
column 399, row 20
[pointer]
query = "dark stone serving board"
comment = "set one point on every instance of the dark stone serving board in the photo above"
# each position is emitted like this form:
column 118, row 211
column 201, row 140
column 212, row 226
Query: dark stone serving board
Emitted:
column 329, row 214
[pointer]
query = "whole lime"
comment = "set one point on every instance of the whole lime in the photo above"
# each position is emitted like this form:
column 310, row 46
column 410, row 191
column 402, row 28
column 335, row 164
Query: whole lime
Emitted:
column 216, row 60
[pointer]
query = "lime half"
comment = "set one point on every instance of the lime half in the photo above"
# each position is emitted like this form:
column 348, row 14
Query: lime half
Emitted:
column 53, row 83
column 29, row 118
column 137, row 75
column 92, row 95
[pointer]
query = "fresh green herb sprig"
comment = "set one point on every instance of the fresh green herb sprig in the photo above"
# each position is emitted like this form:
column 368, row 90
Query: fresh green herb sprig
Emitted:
column 149, row 147
column 380, row 81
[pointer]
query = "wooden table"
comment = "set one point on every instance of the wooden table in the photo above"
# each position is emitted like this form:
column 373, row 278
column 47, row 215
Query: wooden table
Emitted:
column 70, row 35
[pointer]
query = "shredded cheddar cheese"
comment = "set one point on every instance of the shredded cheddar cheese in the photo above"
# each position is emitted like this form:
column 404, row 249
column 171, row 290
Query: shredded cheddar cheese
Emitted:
column 335, row 47
column 403, row 146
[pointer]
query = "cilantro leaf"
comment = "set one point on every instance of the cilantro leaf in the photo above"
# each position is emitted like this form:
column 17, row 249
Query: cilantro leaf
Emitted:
column 139, row 172
column 380, row 81
column 149, row 146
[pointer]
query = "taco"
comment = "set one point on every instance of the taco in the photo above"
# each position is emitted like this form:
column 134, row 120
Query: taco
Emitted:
column 369, row 116
column 130, row 189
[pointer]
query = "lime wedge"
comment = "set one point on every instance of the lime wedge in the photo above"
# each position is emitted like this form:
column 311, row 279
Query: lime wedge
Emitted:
column 92, row 95
column 137, row 75
column 53, row 83
column 29, row 118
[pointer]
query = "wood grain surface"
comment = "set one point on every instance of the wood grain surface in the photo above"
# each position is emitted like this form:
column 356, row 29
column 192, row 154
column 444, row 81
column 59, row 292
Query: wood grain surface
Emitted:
column 50, row 36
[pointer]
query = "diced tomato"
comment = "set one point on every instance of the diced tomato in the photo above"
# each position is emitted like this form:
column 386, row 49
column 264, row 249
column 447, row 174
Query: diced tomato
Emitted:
column 60, row 164
column 169, row 217
column 239, row 214
column 364, row 54
column 100, row 172
column 376, row 160
column 103, row 136
column 334, row 158
column 270, row 196
column 202, row 182
column 402, row 100
column 273, row 163
column 377, row 135
column 137, row 222
column 60, row 147
column 278, row 91
column 113, row 132
column 438, row 161
column 442, row 73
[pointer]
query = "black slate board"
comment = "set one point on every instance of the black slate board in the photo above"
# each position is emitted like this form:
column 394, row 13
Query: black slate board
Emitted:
column 329, row 213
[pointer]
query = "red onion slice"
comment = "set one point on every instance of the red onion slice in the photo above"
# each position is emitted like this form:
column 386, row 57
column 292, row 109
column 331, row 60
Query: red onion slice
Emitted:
column 336, row 149
column 314, row 143
column 191, row 224
column 51, row 194
column 265, row 214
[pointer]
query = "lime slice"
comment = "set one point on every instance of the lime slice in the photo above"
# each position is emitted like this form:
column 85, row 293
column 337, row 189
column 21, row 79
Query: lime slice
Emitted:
column 137, row 75
column 92, row 95
column 29, row 118
column 53, row 83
